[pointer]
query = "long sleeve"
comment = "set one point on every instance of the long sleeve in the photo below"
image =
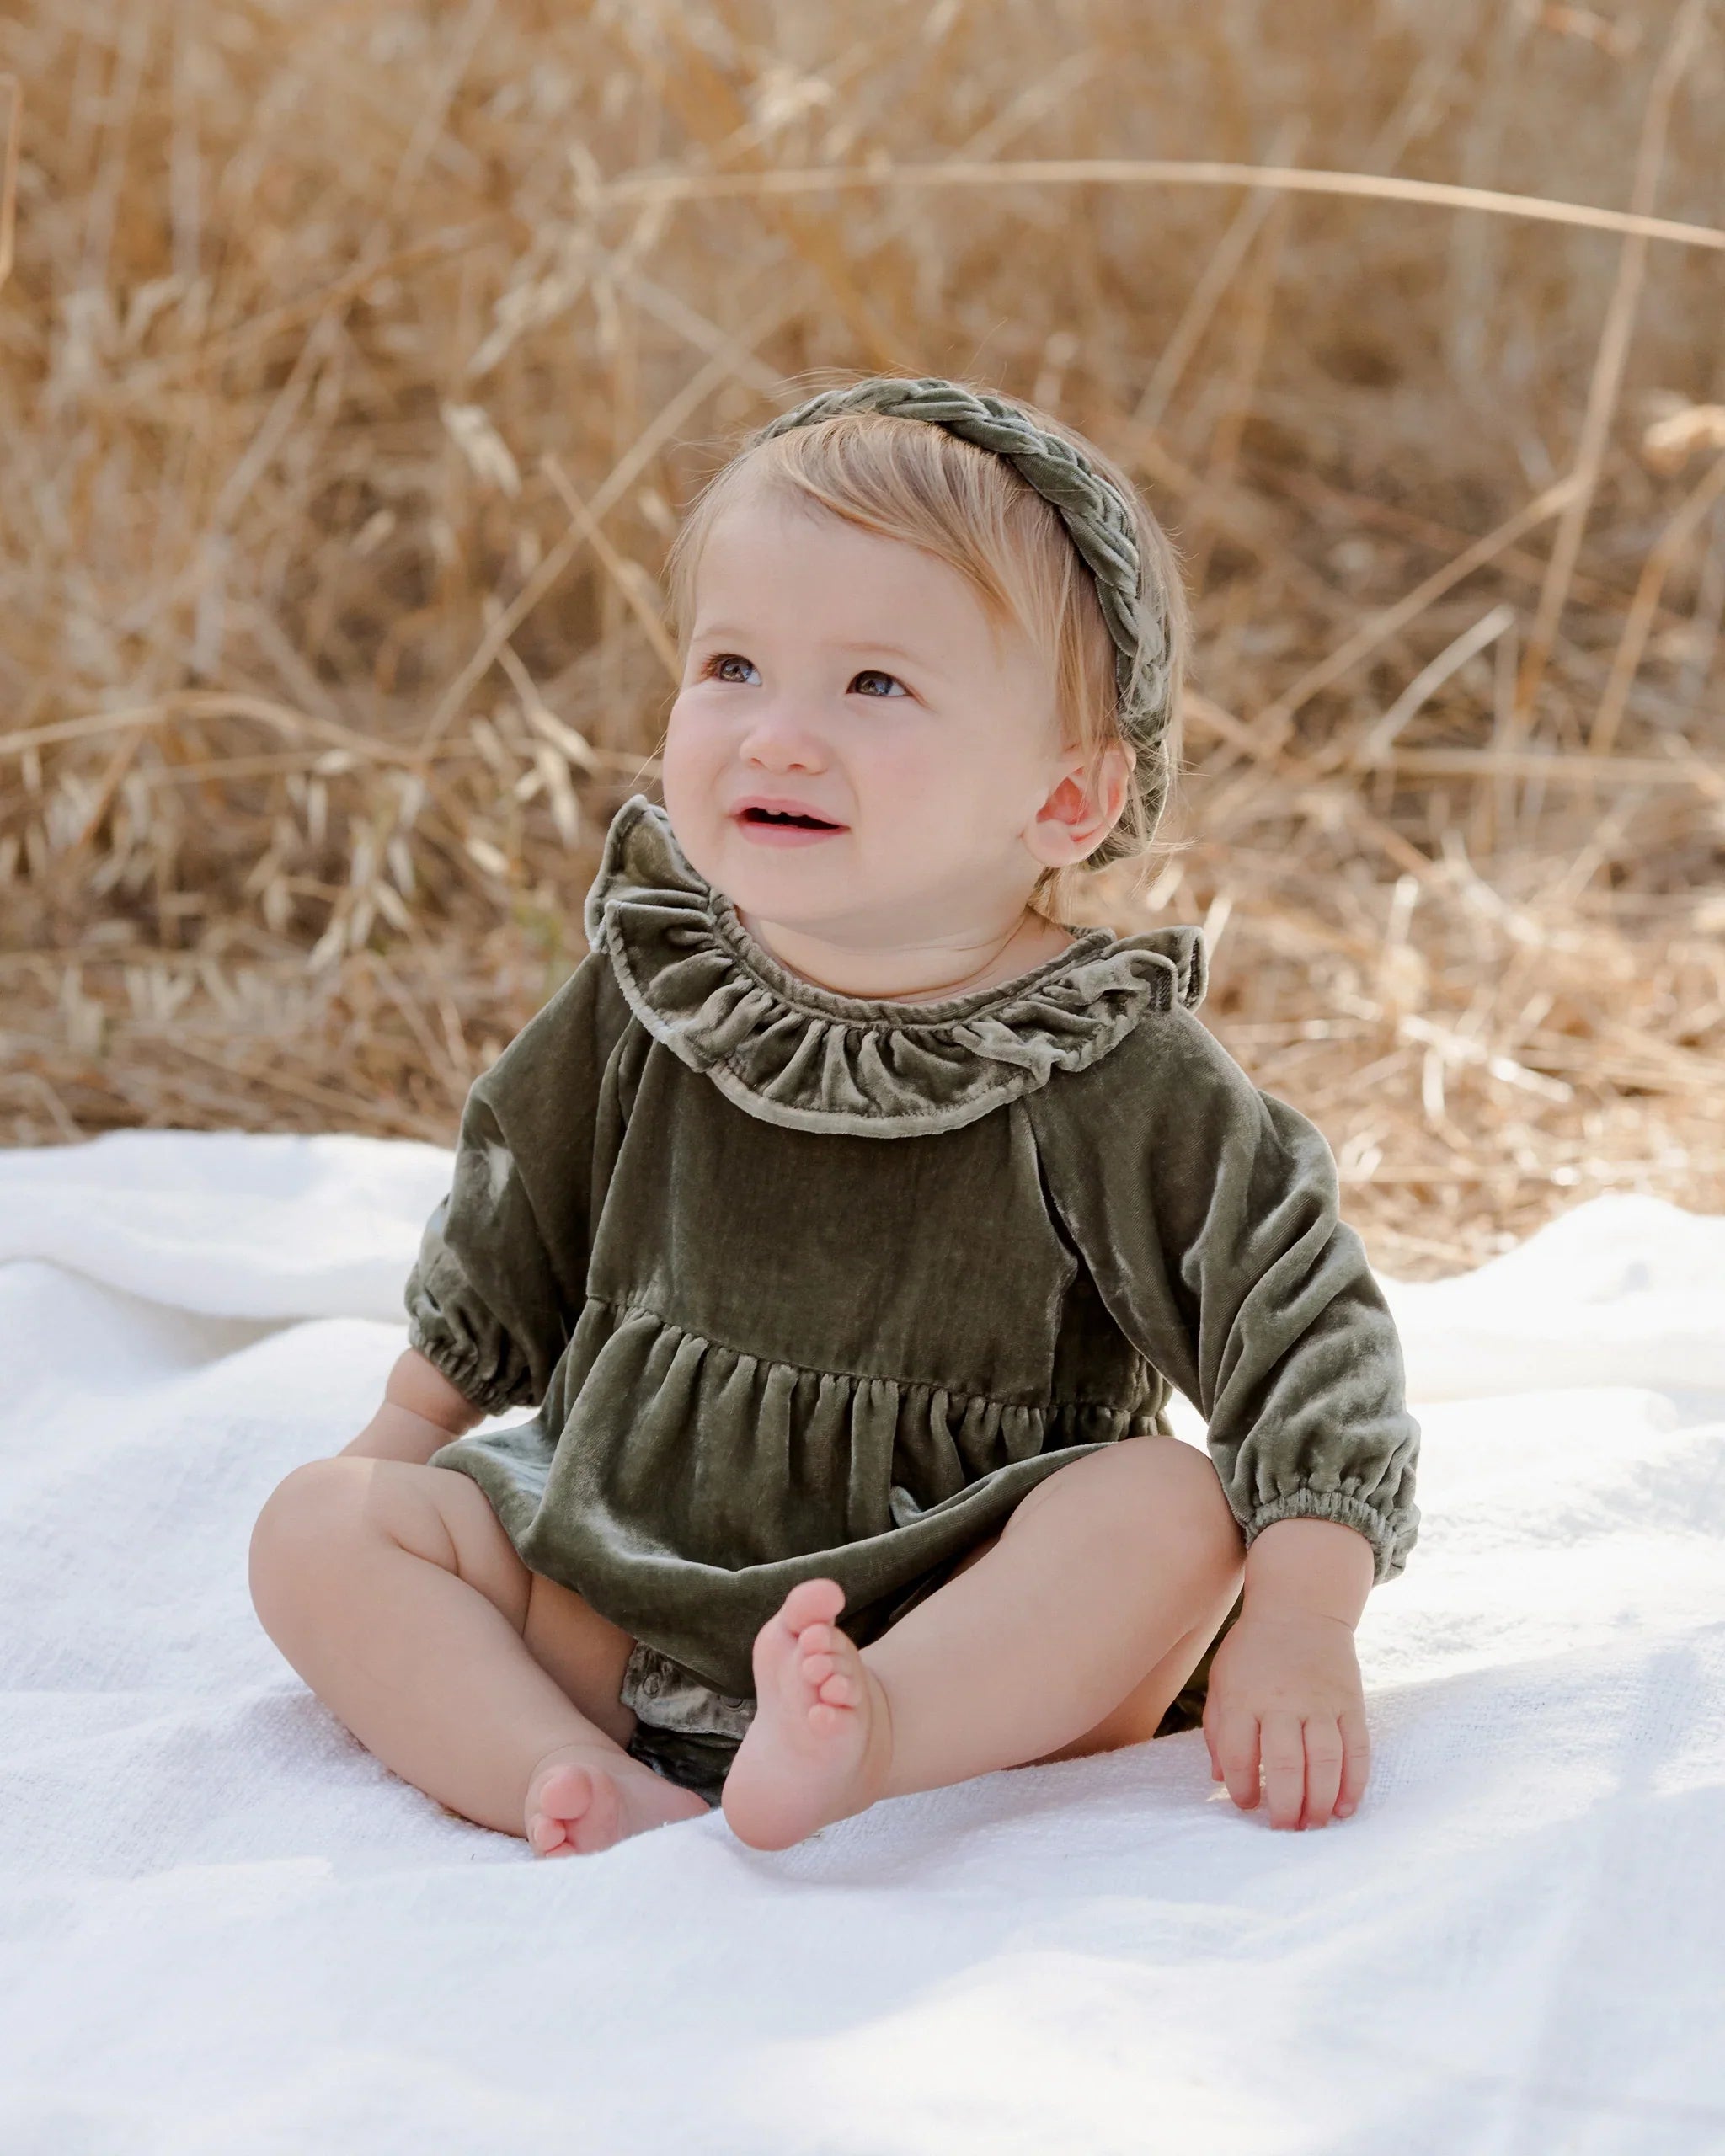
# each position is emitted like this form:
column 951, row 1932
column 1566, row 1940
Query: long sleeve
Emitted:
column 1206, row 1211
column 501, row 1273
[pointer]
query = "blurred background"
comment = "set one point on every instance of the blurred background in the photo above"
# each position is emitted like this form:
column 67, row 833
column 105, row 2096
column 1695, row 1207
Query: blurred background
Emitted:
column 356, row 361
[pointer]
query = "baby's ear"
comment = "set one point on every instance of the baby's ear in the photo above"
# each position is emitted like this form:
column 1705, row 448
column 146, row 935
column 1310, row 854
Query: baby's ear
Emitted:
column 1080, row 811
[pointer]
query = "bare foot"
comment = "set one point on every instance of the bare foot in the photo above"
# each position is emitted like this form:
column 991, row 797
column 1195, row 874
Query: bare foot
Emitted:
column 583, row 1797
column 820, row 1743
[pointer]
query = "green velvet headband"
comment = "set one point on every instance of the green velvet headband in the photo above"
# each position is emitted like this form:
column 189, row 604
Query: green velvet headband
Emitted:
column 1102, row 526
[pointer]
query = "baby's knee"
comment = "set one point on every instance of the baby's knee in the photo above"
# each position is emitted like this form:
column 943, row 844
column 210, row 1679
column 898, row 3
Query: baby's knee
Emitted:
column 1178, row 1473
column 1158, row 1482
column 303, row 1519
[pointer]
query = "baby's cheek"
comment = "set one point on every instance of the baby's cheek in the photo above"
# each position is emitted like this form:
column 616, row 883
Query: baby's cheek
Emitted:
column 691, row 762
column 681, row 753
column 911, row 789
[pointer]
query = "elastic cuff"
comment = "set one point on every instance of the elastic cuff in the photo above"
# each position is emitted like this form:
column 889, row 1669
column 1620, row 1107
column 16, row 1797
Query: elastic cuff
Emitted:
column 1331, row 1504
column 461, row 1366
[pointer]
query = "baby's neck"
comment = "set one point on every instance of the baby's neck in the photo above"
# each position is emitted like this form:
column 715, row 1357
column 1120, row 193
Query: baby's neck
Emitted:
column 913, row 972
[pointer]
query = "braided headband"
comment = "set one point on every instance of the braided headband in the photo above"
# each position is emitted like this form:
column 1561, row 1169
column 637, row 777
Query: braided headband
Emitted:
column 1090, row 506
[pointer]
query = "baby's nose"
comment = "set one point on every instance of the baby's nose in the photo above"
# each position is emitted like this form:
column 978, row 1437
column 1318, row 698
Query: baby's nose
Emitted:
column 782, row 741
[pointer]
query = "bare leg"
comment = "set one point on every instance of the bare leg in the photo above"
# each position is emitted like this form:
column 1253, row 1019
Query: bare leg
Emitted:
column 394, row 1592
column 1072, row 1633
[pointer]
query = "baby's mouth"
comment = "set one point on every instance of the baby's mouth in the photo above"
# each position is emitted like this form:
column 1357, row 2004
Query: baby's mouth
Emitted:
column 788, row 816
column 769, row 825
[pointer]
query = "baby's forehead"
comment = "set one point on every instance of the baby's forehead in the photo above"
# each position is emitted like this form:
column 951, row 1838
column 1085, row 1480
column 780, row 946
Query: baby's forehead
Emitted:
column 946, row 634
column 778, row 565
column 819, row 559
column 760, row 507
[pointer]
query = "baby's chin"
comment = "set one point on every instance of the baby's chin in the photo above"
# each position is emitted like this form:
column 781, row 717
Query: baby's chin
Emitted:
column 802, row 881
column 836, row 890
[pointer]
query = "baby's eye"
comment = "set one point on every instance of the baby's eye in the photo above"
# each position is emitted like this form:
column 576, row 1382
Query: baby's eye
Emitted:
column 717, row 664
column 873, row 673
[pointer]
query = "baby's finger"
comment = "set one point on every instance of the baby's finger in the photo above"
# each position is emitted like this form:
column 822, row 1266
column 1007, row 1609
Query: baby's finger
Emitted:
column 1236, row 1752
column 1323, row 1771
column 1283, row 1747
column 1356, row 1763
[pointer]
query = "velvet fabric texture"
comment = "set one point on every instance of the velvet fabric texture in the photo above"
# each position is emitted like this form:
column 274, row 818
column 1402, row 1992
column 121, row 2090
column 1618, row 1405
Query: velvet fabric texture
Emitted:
column 804, row 1285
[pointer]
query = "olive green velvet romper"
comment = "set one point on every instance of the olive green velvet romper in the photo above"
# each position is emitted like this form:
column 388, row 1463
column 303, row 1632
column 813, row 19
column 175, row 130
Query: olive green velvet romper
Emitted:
column 805, row 1285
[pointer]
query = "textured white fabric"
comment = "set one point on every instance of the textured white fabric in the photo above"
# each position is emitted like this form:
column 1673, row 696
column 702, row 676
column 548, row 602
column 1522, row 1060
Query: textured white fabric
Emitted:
column 226, row 1931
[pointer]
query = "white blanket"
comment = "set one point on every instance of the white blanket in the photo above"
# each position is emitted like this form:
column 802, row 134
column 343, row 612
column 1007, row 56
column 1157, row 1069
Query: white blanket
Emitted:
column 228, row 1931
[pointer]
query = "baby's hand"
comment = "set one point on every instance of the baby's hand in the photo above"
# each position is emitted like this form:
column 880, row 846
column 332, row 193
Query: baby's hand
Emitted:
column 1286, row 1689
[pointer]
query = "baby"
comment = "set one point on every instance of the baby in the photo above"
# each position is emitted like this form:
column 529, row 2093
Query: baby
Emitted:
column 848, row 1218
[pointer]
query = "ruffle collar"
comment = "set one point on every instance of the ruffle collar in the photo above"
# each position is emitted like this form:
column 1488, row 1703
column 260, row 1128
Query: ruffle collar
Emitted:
column 802, row 1057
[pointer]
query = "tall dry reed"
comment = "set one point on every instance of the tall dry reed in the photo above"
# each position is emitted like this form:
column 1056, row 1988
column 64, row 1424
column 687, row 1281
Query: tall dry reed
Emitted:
column 355, row 360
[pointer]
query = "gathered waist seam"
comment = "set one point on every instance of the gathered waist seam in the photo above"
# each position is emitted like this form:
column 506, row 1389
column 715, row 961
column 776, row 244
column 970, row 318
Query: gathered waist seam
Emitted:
column 629, row 1305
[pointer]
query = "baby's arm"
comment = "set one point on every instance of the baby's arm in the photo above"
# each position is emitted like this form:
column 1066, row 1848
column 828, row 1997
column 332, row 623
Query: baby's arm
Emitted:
column 1207, row 1213
column 1285, row 1692
column 421, row 1412
column 501, row 1271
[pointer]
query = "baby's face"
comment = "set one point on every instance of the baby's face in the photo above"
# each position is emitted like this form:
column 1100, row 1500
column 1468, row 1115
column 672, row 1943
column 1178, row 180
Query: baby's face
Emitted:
column 857, row 751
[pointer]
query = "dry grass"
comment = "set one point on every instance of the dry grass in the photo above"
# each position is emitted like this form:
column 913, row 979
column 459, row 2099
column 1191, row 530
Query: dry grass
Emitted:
column 355, row 360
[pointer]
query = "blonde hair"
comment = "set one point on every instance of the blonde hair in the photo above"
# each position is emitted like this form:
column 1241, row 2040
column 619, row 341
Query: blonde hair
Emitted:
column 910, row 480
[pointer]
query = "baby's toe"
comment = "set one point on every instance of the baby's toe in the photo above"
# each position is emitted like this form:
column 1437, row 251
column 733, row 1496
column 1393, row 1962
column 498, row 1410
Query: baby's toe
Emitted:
column 812, row 1601
column 581, row 1807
